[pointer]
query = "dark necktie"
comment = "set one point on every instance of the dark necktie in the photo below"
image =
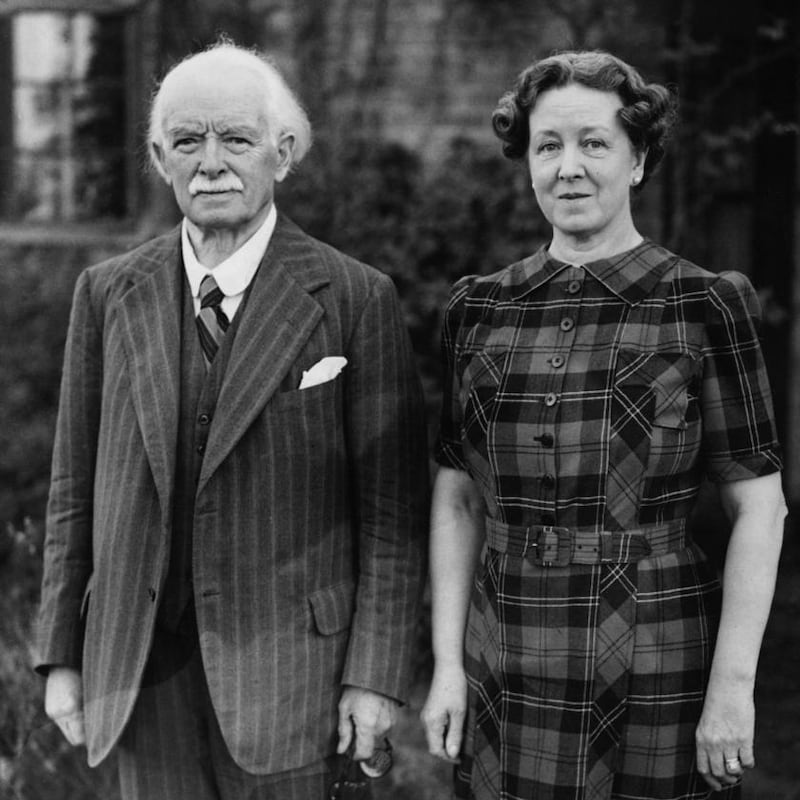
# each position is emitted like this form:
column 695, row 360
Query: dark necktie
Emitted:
column 211, row 321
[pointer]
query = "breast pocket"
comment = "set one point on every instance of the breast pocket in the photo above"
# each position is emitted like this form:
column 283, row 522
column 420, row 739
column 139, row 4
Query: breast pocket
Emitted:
column 676, row 381
column 481, row 376
column 655, row 427
column 307, row 421
column 677, row 430
column 655, row 390
column 319, row 400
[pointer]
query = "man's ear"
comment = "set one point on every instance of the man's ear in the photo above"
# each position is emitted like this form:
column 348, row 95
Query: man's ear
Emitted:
column 159, row 160
column 285, row 150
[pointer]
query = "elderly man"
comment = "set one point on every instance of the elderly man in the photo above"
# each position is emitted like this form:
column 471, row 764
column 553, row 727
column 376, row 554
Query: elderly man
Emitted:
column 235, row 527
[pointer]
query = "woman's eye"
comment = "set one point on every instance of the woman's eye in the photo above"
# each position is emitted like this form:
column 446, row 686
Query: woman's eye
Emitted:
column 594, row 144
column 548, row 147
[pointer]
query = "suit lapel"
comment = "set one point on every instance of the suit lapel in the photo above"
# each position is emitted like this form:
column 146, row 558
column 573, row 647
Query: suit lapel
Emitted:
column 280, row 315
column 150, row 317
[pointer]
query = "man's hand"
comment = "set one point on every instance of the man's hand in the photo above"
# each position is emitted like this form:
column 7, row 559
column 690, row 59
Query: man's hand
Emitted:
column 367, row 713
column 63, row 703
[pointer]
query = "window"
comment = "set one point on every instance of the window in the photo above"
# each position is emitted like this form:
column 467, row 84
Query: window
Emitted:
column 66, row 149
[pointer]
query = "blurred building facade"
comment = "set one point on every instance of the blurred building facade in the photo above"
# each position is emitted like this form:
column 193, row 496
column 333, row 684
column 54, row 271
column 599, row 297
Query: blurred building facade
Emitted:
column 76, row 77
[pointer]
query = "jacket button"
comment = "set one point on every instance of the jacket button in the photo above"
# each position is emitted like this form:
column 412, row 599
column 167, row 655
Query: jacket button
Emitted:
column 201, row 448
column 550, row 399
column 574, row 287
column 548, row 481
column 567, row 324
column 545, row 440
column 204, row 419
column 557, row 361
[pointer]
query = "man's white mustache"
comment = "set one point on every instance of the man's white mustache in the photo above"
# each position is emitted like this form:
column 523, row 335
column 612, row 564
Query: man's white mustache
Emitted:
column 199, row 184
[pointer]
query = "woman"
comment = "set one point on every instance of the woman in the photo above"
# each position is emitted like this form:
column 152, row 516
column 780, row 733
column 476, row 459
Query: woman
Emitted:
column 589, row 389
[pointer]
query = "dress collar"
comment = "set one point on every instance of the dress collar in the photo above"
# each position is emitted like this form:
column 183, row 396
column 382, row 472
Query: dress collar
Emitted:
column 632, row 275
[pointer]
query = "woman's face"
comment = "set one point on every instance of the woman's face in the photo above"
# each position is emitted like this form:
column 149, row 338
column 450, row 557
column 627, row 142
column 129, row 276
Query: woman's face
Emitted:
column 582, row 162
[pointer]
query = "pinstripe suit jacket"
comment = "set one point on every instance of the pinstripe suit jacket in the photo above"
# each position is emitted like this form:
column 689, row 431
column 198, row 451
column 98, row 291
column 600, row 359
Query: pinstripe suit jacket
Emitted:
column 310, row 506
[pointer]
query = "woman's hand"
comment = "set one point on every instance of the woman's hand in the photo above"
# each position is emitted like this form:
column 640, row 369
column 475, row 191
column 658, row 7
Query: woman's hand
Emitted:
column 457, row 534
column 444, row 712
column 724, row 734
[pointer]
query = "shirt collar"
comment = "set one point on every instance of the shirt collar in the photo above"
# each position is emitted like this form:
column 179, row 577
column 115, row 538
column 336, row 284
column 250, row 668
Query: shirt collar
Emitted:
column 234, row 274
column 631, row 275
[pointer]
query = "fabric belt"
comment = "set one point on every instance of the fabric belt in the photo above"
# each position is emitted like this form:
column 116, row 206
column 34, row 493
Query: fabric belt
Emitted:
column 552, row 546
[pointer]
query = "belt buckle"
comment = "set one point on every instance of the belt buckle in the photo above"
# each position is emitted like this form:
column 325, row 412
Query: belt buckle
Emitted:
column 553, row 547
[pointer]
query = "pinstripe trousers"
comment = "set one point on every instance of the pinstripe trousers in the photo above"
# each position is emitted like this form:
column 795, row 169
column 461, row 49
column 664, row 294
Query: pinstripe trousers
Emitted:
column 172, row 747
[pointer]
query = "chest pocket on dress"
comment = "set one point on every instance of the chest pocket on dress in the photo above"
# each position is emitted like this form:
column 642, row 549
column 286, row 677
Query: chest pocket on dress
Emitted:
column 654, row 424
column 655, row 389
column 481, row 375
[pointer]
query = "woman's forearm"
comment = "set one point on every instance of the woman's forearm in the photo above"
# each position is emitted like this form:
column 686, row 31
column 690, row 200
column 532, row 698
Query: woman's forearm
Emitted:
column 457, row 532
column 725, row 731
column 758, row 511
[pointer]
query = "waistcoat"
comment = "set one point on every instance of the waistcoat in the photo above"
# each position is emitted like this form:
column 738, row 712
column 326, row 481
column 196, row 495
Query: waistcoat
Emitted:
column 199, row 390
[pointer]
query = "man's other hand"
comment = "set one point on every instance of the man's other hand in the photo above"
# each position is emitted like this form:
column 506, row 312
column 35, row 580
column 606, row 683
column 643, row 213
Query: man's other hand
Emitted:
column 370, row 715
column 63, row 703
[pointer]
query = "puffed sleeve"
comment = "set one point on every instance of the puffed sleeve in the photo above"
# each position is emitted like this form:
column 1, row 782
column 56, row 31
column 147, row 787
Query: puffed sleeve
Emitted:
column 448, row 450
column 739, row 436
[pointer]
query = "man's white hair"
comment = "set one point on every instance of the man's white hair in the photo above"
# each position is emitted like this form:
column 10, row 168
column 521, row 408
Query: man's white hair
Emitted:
column 283, row 109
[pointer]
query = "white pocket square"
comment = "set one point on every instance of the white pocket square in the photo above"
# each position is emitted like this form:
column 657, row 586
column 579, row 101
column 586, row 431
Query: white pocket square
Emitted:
column 324, row 370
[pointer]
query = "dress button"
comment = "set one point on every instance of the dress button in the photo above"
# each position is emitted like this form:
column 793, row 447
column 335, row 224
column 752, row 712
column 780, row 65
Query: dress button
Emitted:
column 573, row 287
column 567, row 324
column 548, row 481
column 550, row 399
column 557, row 361
column 201, row 448
column 204, row 419
column 546, row 439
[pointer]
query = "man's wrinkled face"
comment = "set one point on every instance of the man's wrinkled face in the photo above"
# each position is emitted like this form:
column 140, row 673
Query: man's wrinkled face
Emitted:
column 218, row 152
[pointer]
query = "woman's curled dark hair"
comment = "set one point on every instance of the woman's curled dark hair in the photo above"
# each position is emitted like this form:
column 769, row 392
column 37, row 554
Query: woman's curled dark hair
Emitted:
column 648, row 110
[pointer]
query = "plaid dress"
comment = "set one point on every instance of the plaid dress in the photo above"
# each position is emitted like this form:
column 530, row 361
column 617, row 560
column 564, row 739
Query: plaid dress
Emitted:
column 596, row 398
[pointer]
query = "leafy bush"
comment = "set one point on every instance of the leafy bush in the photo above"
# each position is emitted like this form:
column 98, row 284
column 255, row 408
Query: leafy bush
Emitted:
column 35, row 295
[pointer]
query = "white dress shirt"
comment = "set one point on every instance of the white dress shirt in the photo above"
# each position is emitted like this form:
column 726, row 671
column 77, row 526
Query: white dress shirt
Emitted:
column 234, row 274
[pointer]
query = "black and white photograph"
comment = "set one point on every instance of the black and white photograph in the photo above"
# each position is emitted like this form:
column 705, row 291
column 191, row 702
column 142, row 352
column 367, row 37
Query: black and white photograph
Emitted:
column 399, row 400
